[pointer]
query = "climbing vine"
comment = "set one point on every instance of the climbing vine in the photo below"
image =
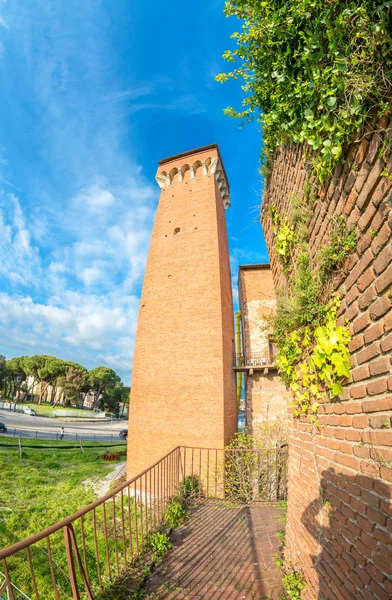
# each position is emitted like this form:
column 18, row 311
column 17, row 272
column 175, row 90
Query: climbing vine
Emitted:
column 312, row 71
column 284, row 237
column 317, row 361
column 313, row 356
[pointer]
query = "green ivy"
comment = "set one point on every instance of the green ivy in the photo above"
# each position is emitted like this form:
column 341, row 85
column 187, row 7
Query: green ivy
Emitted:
column 341, row 243
column 293, row 583
column 313, row 356
column 312, row 71
column 322, row 362
column 284, row 239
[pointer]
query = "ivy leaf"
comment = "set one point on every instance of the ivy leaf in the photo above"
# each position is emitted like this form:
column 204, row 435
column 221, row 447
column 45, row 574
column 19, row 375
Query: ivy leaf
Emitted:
column 342, row 366
column 331, row 101
column 337, row 390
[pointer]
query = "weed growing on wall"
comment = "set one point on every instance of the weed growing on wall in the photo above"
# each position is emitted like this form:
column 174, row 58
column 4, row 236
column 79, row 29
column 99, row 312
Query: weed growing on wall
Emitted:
column 313, row 357
column 312, row 71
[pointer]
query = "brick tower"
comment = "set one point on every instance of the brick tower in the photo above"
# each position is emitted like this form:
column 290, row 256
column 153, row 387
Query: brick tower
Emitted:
column 183, row 386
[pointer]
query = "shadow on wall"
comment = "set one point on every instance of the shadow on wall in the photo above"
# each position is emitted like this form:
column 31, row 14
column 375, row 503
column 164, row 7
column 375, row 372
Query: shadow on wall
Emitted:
column 351, row 520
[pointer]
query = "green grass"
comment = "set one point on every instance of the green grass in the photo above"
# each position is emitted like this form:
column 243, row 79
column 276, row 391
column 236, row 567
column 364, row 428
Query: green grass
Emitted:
column 45, row 409
column 44, row 486
column 40, row 489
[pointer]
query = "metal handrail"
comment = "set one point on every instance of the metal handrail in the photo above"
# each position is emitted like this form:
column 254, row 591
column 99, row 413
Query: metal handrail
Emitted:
column 135, row 509
column 37, row 537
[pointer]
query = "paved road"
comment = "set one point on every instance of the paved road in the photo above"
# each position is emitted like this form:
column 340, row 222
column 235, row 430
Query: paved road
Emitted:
column 22, row 425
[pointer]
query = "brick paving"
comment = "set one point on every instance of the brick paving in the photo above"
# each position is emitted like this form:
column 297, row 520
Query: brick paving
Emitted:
column 222, row 552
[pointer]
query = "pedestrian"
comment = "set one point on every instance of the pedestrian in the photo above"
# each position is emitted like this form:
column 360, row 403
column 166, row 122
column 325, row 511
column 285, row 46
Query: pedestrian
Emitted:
column 62, row 433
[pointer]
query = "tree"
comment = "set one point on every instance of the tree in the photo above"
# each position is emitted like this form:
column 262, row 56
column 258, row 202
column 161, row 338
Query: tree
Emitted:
column 111, row 399
column 3, row 371
column 16, row 375
column 312, row 71
column 102, row 379
column 72, row 384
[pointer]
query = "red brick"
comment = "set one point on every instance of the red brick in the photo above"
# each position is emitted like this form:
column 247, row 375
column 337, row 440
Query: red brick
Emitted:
column 356, row 343
column 362, row 451
column 367, row 297
column 364, row 577
column 388, row 321
column 381, row 239
column 384, row 281
column 360, row 421
column 380, row 307
column 365, row 240
column 364, row 550
column 380, row 365
column 369, row 468
column 374, row 573
column 365, row 482
column 352, row 295
column 386, row 473
column 361, row 152
column 380, row 421
column 383, row 563
column 379, row 592
column 382, row 536
column 352, row 312
column 353, row 407
column 348, row 461
column 377, row 516
column 379, row 405
column 365, row 280
column 374, row 332
column 377, row 387
column 361, row 322
column 367, row 217
column 383, row 260
column 386, row 343
column 368, row 353
column 382, row 438
column 360, row 373
column 358, row 391
column 353, row 435
column 370, row 184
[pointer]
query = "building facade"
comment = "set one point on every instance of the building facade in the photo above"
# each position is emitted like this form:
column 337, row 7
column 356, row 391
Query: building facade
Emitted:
column 265, row 396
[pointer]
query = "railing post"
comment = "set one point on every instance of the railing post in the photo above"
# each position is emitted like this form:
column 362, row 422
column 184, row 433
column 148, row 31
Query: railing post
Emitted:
column 71, row 564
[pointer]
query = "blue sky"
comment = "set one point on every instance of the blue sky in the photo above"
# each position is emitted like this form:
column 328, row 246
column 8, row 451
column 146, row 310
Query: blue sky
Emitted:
column 94, row 93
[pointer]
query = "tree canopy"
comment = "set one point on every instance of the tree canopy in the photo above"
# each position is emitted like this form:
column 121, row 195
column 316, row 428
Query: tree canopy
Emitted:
column 312, row 70
column 57, row 375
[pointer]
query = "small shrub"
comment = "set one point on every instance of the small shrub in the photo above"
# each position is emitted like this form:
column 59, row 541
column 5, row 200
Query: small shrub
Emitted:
column 159, row 543
column 190, row 486
column 293, row 583
column 342, row 243
column 174, row 514
column 282, row 536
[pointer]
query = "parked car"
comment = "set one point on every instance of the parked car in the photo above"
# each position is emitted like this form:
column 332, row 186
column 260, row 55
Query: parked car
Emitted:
column 30, row 411
column 3, row 428
column 124, row 434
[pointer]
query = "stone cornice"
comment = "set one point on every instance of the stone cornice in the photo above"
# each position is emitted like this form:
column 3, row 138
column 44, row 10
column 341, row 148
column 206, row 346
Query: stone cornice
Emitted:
column 210, row 165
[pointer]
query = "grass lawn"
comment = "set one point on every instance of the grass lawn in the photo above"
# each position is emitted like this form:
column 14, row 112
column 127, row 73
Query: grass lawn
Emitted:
column 43, row 487
column 38, row 490
column 45, row 409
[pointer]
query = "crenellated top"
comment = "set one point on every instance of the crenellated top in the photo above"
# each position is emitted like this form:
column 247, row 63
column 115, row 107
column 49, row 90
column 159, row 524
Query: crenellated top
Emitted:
column 205, row 165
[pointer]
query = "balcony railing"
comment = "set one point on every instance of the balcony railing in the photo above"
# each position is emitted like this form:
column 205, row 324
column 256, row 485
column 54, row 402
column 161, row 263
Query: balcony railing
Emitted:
column 256, row 359
column 78, row 557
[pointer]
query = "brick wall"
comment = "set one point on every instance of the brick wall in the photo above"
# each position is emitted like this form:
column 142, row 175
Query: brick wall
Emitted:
column 265, row 394
column 339, row 526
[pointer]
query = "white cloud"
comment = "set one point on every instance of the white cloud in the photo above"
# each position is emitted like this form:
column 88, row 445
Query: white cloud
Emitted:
column 95, row 197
